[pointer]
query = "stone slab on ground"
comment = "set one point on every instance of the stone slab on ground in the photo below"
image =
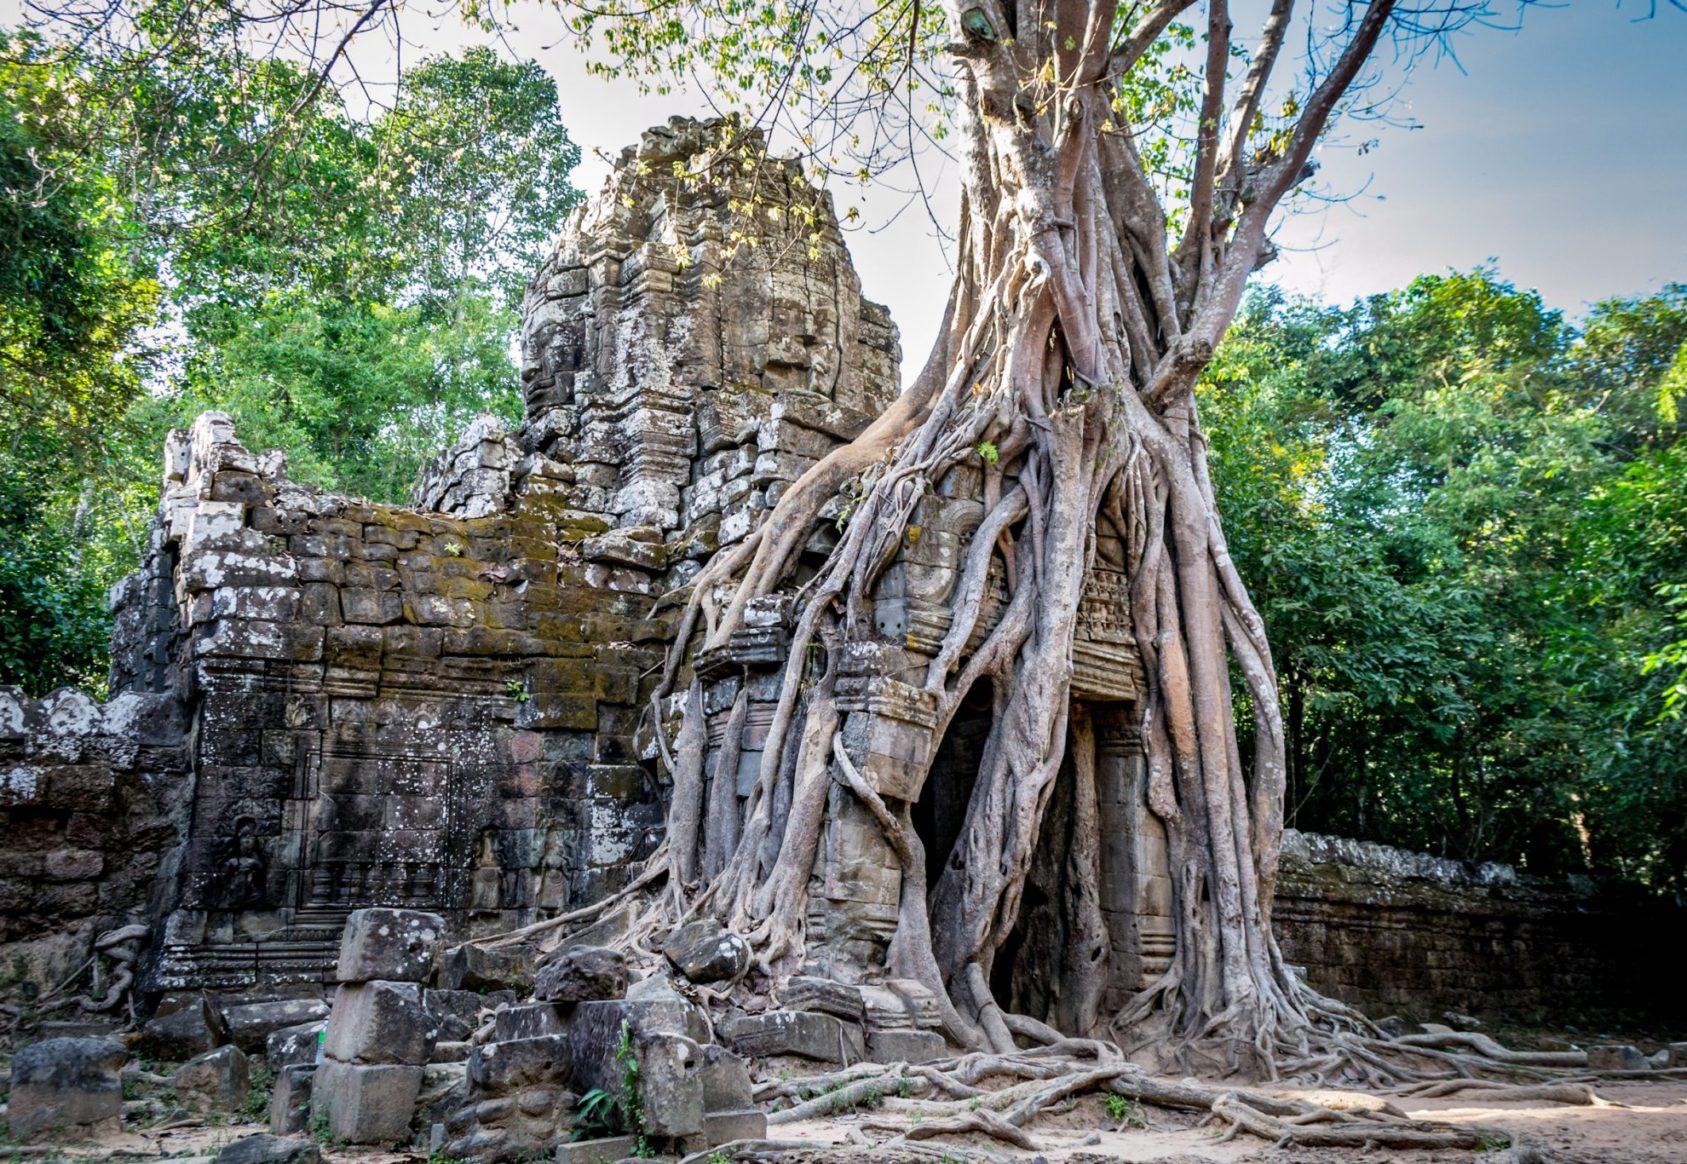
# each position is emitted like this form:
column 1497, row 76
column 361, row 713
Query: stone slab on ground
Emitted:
column 722, row 1127
column 380, row 1022
column 366, row 1104
column 263, row 1149
column 608, row 1150
column 1616, row 1057
column 184, row 1025
column 807, row 1033
column 67, row 1089
column 394, row 945
column 250, row 1025
column 905, row 1046
column 215, row 1081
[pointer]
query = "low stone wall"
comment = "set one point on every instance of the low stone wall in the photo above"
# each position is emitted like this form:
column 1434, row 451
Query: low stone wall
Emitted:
column 90, row 803
column 1392, row 930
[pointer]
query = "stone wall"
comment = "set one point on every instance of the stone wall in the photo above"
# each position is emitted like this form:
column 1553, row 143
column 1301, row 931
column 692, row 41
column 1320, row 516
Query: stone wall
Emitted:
column 1394, row 930
column 89, row 804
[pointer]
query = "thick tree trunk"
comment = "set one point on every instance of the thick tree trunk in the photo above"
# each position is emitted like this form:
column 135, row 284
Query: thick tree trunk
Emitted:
column 1066, row 368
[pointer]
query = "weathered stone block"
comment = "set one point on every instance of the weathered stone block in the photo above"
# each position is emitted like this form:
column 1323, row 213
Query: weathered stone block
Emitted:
column 479, row 969
column 184, row 1025
column 905, row 1046
column 390, row 944
column 503, row 1067
column 1616, row 1057
column 214, row 1081
column 723, row 1127
column 380, row 1022
column 294, row 1046
column 251, row 1025
column 1677, row 1054
column 289, row 1102
column 366, row 1104
column 608, row 1150
column 270, row 1150
column 458, row 1013
column 726, row 1080
column 583, row 974
column 528, row 1020
column 67, row 1089
column 704, row 951
column 794, row 1032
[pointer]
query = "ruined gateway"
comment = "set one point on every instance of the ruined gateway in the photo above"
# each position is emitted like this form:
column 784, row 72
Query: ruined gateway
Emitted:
column 319, row 704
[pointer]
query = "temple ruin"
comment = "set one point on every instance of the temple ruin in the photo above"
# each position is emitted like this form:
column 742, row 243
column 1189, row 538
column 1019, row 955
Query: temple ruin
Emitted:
column 320, row 704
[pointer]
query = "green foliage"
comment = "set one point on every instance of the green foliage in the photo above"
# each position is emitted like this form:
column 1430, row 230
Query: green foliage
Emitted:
column 346, row 288
column 1126, row 1112
column 1455, row 511
column 596, row 1115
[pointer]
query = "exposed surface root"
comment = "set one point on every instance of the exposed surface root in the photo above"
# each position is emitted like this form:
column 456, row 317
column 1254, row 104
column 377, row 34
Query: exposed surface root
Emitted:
column 1002, row 1095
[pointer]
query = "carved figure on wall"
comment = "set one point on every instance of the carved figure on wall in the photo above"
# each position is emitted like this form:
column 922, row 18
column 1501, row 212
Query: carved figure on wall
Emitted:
column 486, row 881
column 240, row 877
column 553, row 873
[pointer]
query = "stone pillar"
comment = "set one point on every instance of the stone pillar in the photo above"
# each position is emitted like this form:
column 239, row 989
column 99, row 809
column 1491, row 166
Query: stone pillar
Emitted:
column 1136, row 888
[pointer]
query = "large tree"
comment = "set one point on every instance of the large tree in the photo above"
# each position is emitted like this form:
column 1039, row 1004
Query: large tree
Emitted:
column 1120, row 173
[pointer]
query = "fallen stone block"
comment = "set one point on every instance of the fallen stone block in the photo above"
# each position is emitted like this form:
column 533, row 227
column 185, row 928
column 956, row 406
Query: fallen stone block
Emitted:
column 380, row 1022
column 503, row 1067
column 905, row 1046
column 670, row 1086
column 263, row 1149
column 900, row 1004
column 528, row 1020
column 838, row 999
column 250, row 1025
column 726, row 1080
column 451, row 1052
column 289, row 1102
column 445, row 1088
column 394, row 945
column 807, row 1033
column 294, row 1046
column 582, row 974
column 67, row 1089
column 481, row 970
column 705, row 951
column 1616, row 1057
column 609, row 1150
column 722, row 1127
column 365, row 1104
column 215, row 1081
column 184, row 1025
column 1677, row 1054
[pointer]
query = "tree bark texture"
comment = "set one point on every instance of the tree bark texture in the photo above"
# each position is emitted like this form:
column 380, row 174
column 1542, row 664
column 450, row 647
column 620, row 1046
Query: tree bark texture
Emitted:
column 1065, row 371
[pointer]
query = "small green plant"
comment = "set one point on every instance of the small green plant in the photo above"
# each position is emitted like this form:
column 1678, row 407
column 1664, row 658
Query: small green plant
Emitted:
column 1126, row 1112
column 517, row 690
column 452, row 549
column 972, row 1104
column 904, row 1087
column 632, row 1105
column 317, row 1127
column 439, row 1157
column 988, row 452
column 260, row 1086
column 1492, row 1142
column 718, row 1157
column 597, row 1114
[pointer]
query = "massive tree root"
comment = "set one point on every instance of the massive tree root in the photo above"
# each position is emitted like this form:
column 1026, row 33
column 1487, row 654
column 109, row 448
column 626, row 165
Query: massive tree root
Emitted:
column 1063, row 383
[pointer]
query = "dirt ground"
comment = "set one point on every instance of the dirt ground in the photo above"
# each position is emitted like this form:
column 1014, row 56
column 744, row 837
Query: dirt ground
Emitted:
column 1644, row 1123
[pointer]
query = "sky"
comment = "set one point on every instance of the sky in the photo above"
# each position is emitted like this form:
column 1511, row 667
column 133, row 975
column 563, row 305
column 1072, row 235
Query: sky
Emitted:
column 1558, row 150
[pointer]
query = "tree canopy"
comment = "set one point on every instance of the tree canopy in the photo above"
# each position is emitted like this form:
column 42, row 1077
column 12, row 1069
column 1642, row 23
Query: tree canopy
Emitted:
column 348, row 296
